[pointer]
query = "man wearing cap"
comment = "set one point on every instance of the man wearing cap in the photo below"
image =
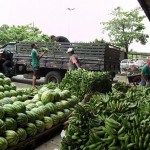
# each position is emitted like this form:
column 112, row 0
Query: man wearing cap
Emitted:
column 73, row 60
column 145, row 74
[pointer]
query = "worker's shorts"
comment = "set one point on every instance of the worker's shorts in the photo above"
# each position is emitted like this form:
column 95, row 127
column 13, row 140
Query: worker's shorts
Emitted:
column 36, row 71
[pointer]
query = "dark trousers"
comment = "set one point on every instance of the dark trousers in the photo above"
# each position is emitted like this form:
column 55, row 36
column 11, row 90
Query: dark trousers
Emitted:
column 6, row 65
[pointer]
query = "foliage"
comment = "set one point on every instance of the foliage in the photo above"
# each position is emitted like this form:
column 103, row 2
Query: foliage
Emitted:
column 100, row 41
column 21, row 33
column 125, row 28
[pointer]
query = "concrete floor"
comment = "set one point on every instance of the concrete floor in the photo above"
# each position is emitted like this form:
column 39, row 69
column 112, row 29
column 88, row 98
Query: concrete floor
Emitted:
column 54, row 143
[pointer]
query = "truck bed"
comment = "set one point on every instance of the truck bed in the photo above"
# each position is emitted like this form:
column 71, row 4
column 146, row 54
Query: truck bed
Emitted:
column 96, row 57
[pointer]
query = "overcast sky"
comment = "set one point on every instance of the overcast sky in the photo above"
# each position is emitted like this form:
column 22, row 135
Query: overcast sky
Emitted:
column 52, row 17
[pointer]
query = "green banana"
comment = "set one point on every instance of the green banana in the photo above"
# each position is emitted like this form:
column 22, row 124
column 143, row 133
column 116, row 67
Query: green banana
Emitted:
column 114, row 148
column 140, row 142
column 131, row 145
column 107, row 140
column 146, row 140
column 93, row 146
column 112, row 121
column 121, row 130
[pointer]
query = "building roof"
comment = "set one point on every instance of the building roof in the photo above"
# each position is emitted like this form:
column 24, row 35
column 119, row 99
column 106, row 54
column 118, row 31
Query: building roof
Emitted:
column 145, row 4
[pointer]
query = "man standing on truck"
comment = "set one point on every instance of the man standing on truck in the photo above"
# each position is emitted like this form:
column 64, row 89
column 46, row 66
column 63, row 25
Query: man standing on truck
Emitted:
column 35, row 63
column 61, row 39
column 73, row 60
column 145, row 74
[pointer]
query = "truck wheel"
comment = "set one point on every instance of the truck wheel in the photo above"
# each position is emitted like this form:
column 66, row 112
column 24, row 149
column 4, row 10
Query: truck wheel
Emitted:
column 53, row 76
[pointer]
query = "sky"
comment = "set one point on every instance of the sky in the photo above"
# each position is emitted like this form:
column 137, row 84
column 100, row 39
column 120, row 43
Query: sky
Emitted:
column 80, row 24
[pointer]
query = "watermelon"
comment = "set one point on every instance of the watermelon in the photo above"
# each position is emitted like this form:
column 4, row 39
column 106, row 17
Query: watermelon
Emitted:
column 6, row 87
column 66, row 112
column 13, row 93
column 11, row 123
column 65, row 94
column 57, row 90
column 7, row 94
column 5, row 100
column 52, row 107
column 31, row 130
column 19, row 91
column 11, row 137
column 13, row 86
column 1, row 81
column 14, row 98
column 24, row 97
column 60, row 116
column 39, row 113
column 20, row 98
column 22, row 119
column 2, row 112
column 39, row 103
column 56, row 96
column 31, row 116
column 48, row 122
column 1, row 88
column 2, row 127
column 31, row 106
column 36, row 97
column 55, row 119
column 22, row 134
column 46, row 110
column 59, row 106
column 7, row 81
column 28, row 102
column 2, row 76
column 41, row 90
column 1, row 95
column 64, row 103
column 3, row 143
column 40, row 125
column 20, row 107
column 47, row 96
column 10, row 110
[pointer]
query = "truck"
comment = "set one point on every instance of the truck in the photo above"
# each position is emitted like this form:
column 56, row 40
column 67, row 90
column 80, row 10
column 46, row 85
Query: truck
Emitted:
column 54, row 64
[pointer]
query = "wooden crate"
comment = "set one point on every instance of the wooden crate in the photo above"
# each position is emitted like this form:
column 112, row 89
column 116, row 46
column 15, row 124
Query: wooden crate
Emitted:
column 33, row 142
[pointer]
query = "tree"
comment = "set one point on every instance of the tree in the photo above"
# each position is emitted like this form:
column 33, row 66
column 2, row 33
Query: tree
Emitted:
column 21, row 33
column 125, row 28
column 100, row 41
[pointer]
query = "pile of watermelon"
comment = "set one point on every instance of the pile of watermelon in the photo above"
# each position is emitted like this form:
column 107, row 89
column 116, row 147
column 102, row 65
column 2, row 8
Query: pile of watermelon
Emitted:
column 21, row 117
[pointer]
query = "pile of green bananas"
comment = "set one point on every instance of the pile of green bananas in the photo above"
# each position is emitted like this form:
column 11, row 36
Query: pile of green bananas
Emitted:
column 112, row 121
column 81, row 82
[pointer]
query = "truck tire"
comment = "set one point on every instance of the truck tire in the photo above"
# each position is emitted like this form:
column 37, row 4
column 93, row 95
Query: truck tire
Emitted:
column 53, row 76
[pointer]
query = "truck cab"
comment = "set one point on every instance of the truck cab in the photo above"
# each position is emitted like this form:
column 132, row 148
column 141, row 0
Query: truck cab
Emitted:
column 10, row 49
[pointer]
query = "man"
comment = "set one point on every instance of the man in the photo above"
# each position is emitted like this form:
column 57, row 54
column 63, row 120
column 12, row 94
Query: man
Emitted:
column 61, row 39
column 7, row 58
column 145, row 74
column 73, row 60
column 35, row 63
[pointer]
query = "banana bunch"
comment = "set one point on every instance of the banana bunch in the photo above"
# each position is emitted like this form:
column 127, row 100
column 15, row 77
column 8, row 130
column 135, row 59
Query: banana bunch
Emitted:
column 77, row 130
column 118, row 106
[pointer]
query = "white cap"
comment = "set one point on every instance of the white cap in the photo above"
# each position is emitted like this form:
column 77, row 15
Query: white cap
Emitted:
column 69, row 50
